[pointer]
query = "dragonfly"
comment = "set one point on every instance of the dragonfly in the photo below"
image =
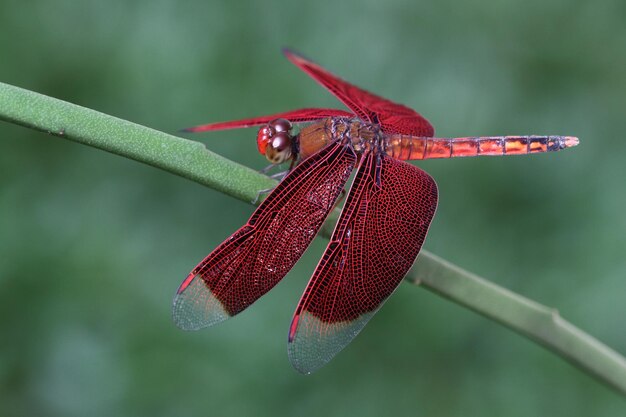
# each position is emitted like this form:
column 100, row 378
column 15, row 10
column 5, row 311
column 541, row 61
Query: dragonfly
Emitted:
column 384, row 221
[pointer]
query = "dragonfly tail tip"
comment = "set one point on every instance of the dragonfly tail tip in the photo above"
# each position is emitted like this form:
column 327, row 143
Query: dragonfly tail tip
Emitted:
column 570, row 141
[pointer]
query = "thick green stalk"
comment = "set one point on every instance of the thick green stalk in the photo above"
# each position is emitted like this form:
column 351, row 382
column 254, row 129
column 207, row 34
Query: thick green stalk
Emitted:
column 192, row 160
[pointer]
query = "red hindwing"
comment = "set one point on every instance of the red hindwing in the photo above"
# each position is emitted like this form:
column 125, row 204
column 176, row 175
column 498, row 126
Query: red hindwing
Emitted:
column 377, row 238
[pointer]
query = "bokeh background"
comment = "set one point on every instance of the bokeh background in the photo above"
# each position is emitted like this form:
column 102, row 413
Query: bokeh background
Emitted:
column 93, row 246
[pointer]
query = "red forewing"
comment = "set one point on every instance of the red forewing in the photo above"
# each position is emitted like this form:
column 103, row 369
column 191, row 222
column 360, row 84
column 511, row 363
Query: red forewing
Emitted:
column 379, row 234
column 392, row 117
column 295, row 116
column 259, row 255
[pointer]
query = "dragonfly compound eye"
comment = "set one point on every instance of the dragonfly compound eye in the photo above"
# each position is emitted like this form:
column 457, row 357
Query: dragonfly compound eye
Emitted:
column 281, row 125
column 263, row 137
column 279, row 148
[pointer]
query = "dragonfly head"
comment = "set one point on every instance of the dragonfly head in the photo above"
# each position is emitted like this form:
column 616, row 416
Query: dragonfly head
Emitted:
column 275, row 141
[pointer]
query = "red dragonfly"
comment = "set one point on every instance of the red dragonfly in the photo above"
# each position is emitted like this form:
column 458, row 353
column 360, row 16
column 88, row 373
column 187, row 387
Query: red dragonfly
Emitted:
column 379, row 234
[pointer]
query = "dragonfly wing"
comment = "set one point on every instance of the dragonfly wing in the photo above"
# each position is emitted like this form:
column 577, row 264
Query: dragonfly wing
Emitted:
column 295, row 116
column 377, row 238
column 259, row 255
column 393, row 117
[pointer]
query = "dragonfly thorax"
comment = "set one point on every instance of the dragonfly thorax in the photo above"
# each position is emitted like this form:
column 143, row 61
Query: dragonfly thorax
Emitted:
column 359, row 135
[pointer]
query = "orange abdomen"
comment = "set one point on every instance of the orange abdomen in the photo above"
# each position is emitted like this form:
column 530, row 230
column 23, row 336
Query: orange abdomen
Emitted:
column 405, row 147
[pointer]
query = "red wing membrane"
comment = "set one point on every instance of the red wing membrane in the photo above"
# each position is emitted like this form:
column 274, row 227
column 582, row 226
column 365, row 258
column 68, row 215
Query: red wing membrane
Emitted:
column 393, row 117
column 295, row 116
column 378, row 236
column 259, row 255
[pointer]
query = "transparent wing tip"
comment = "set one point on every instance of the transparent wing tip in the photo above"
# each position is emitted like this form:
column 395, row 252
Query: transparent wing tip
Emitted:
column 195, row 306
column 314, row 342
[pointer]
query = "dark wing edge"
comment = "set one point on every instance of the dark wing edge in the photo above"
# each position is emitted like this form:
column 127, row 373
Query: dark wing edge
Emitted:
column 393, row 117
column 377, row 238
column 295, row 116
column 256, row 257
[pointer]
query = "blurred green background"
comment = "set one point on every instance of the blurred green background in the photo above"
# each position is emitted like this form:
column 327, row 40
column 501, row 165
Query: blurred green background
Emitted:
column 93, row 246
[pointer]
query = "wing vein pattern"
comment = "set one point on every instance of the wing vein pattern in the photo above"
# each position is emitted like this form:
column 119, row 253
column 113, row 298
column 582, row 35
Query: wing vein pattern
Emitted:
column 295, row 116
column 257, row 256
column 392, row 117
column 377, row 238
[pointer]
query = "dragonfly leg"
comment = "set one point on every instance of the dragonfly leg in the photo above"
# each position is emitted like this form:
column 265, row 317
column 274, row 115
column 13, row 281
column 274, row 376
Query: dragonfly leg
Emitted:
column 267, row 169
column 257, row 199
column 279, row 176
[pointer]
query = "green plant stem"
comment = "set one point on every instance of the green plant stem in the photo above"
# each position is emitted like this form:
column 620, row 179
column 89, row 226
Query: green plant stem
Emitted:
column 539, row 323
column 193, row 161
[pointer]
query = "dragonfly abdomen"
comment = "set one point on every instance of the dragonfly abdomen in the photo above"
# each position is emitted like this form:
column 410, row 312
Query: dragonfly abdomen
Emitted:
column 405, row 147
